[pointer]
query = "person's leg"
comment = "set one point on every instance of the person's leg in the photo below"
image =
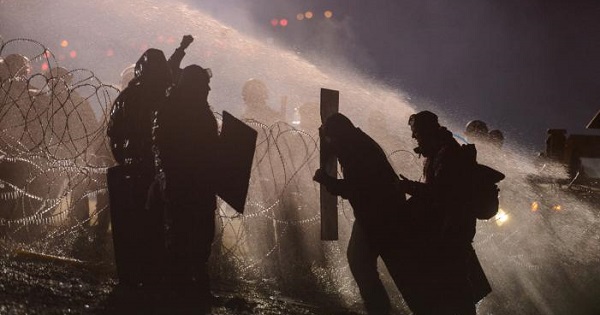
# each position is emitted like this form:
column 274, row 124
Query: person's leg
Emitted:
column 455, row 293
column 362, row 260
column 201, row 247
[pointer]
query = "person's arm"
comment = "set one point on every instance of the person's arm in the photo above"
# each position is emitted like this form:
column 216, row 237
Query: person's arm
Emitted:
column 115, row 130
column 177, row 56
column 338, row 187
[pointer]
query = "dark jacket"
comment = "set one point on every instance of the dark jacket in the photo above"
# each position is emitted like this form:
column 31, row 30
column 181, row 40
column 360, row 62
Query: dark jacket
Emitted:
column 187, row 140
column 439, row 203
column 370, row 185
column 132, row 114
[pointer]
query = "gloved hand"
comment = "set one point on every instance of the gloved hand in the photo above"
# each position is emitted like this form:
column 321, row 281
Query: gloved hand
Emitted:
column 186, row 41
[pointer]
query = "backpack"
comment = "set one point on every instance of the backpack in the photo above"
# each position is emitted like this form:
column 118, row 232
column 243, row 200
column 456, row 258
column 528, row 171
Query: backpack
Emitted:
column 483, row 189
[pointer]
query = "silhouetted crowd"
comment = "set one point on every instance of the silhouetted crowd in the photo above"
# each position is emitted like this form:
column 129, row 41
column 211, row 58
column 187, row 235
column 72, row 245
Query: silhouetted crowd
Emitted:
column 165, row 139
column 45, row 116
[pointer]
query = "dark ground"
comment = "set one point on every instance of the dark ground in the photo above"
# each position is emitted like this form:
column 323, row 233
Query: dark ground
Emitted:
column 46, row 285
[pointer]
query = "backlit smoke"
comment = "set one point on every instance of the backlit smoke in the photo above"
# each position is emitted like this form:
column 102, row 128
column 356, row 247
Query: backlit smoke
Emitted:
column 541, row 261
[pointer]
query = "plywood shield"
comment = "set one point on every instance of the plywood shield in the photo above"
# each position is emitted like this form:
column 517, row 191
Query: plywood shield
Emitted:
column 238, row 143
column 329, row 214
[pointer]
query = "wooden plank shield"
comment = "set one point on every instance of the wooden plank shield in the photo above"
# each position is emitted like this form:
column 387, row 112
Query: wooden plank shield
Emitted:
column 237, row 146
column 328, row 163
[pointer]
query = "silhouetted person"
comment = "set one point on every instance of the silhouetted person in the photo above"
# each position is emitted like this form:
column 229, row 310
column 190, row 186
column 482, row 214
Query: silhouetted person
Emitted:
column 370, row 185
column 16, row 100
column 73, row 133
column 187, row 140
column 139, row 235
column 255, row 95
column 138, row 229
column 496, row 137
column 556, row 144
column 442, row 218
column 15, row 103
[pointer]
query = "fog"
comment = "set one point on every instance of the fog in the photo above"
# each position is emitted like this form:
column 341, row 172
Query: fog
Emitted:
column 541, row 261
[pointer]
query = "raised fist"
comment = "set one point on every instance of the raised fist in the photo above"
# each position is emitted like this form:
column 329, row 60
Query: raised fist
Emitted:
column 186, row 41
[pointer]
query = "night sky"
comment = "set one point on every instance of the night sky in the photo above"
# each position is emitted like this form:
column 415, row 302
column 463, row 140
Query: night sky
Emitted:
column 521, row 66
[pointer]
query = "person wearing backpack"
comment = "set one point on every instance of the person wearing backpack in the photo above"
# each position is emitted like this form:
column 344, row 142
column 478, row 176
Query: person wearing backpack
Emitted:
column 441, row 208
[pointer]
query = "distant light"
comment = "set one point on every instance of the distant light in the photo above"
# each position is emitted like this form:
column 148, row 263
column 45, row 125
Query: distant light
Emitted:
column 44, row 66
column 556, row 208
column 283, row 22
column 274, row 22
column 535, row 206
column 170, row 40
column 328, row 14
column 300, row 16
column 501, row 217
column 73, row 54
column 308, row 15
column 296, row 117
column 110, row 53
column 64, row 43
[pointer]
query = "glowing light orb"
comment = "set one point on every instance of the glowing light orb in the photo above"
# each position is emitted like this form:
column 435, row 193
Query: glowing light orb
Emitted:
column 110, row 53
column 300, row 16
column 274, row 22
column 44, row 66
column 535, row 206
column 308, row 15
column 328, row 14
column 73, row 54
column 283, row 22
column 296, row 118
column 501, row 217
column 557, row 208
column 64, row 43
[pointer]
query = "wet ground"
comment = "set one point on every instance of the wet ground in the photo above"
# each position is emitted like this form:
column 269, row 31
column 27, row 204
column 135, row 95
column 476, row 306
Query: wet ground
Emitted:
column 30, row 284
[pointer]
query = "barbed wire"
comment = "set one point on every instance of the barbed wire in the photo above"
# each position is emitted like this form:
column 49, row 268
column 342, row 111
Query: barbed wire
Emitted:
column 54, row 156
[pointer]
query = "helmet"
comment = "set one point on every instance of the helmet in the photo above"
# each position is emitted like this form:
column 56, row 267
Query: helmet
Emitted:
column 15, row 66
column 255, row 92
column 476, row 128
column 496, row 137
column 127, row 75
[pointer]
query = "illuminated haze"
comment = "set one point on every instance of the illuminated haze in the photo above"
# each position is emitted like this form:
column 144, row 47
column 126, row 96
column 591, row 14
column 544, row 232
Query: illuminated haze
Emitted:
column 538, row 263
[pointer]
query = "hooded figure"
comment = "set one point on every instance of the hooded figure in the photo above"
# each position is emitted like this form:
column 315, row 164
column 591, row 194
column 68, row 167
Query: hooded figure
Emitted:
column 187, row 140
column 130, row 125
column 370, row 185
column 138, row 228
